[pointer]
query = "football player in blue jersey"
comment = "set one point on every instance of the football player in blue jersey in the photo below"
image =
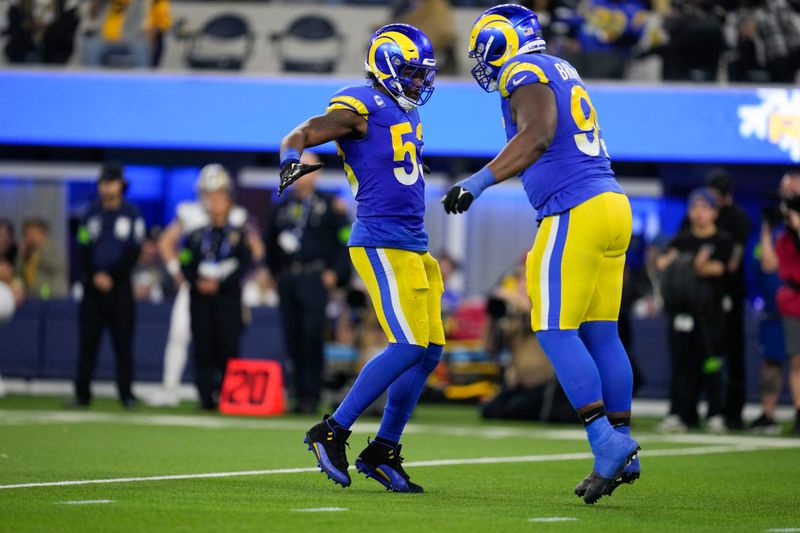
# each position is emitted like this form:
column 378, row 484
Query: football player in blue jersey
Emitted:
column 379, row 138
column 575, row 268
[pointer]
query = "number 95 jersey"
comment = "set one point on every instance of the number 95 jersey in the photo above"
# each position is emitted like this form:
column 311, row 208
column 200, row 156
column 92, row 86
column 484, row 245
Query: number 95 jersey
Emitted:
column 384, row 170
column 576, row 166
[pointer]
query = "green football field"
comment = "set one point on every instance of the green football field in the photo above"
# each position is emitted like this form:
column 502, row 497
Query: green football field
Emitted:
column 163, row 470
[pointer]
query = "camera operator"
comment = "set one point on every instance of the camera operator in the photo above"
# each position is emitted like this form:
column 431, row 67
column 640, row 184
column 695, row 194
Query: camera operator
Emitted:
column 785, row 258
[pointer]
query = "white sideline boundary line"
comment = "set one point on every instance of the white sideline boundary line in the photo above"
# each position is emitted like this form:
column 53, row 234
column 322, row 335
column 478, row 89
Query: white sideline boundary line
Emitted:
column 14, row 417
column 669, row 452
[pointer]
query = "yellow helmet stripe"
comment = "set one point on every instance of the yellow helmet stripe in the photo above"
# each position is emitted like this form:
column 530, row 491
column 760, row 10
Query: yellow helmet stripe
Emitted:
column 407, row 47
column 350, row 103
column 506, row 27
column 516, row 68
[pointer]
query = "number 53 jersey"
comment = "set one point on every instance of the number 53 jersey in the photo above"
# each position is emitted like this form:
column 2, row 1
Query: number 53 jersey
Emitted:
column 385, row 171
column 576, row 165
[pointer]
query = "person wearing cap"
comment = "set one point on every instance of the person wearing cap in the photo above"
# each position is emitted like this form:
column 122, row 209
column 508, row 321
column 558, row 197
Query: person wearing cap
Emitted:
column 694, row 266
column 109, row 240
column 784, row 258
column 306, row 244
column 733, row 220
column 214, row 259
column 189, row 217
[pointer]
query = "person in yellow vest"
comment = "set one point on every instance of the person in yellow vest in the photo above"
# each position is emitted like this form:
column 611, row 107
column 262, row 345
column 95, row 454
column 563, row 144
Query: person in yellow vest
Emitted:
column 126, row 24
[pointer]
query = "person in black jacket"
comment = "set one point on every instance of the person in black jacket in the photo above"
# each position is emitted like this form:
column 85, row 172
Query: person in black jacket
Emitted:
column 306, row 245
column 734, row 221
column 694, row 290
column 109, row 239
column 214, row 259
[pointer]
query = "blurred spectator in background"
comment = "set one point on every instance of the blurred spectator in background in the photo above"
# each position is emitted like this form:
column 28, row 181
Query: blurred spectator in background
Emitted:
column 435, row 18
column 772, row 343
column 8, row 242
column 765, row 36
column 128, row 33
column 733, row 220
column 693, row 288
column 109, row 240
column 41, row 31
column 214, row 260
column 151, row 281
column 635, row 286
column 191, row 216
column 453, row 282
column 695, row 40
column 602, row 34
column 306, row 244
column 787, row 249
column 8, row 257
column 41, row 263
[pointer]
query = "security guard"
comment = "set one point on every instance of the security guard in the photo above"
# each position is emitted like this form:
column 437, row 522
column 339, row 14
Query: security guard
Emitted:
column 214, row 259
column 109, row 239
column 307, row 254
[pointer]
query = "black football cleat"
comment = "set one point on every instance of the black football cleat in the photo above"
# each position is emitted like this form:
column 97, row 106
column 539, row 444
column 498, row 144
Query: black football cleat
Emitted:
column 328, row 443
column 614, row 460
column 625, row 477
column 384, row 464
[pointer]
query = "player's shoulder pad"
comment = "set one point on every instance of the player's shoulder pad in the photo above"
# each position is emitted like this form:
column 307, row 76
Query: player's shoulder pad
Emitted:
column 524, row 69
column 360, row 99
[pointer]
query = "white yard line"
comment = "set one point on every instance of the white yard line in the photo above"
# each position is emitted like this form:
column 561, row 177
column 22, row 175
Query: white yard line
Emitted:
column 85, row 502
column 672, row 452
column 13, row 417
column 320, row 510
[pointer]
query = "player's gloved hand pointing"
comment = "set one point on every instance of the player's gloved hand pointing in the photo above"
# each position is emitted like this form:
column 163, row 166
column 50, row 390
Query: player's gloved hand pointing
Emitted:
column 293, row 171
column 462, row 194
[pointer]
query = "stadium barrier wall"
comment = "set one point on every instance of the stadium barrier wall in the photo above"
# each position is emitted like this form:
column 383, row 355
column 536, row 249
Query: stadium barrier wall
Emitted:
column 667, row 123
column 41, row 342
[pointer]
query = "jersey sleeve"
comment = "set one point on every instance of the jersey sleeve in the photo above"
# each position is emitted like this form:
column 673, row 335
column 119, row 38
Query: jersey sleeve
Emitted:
column 522, row 71
column 355, row 99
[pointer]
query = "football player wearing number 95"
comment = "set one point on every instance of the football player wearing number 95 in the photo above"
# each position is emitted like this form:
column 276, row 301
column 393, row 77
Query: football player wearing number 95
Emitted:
column 575, row 268
column 379, row 137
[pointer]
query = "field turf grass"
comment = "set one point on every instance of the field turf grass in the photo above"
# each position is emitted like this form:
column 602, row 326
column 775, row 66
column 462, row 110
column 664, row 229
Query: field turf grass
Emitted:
column 690, row 483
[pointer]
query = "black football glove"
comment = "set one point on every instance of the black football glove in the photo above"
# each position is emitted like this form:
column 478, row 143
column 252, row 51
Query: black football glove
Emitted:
column 292, row 172
column 457, row 200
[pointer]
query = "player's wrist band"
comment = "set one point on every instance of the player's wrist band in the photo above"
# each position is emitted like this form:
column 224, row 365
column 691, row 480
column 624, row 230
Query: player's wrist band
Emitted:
column 479, row 181
column 289, row 155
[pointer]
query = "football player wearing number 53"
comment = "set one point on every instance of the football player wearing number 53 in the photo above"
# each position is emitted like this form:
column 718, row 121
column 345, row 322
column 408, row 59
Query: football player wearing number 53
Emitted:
column 575, row 267
column 379, row 138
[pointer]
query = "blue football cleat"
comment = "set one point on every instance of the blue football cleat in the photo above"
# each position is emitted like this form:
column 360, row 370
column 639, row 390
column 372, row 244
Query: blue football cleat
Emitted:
column 384, row 464
column 612, row 453
column 327, row 442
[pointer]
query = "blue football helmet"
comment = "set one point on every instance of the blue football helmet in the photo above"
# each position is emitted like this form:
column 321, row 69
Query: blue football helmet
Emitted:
column 499, row 34
column 401, row 59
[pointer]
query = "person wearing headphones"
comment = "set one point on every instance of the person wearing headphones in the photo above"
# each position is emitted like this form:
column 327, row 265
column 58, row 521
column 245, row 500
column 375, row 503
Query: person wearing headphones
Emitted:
column 109, row 239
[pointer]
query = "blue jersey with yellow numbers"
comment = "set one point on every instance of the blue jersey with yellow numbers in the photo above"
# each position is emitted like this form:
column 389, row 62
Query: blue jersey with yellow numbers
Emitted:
column 575, row 167
column 384, row 170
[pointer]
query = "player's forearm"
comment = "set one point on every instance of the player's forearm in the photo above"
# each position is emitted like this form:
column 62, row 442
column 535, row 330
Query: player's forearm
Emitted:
column 522, row 151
